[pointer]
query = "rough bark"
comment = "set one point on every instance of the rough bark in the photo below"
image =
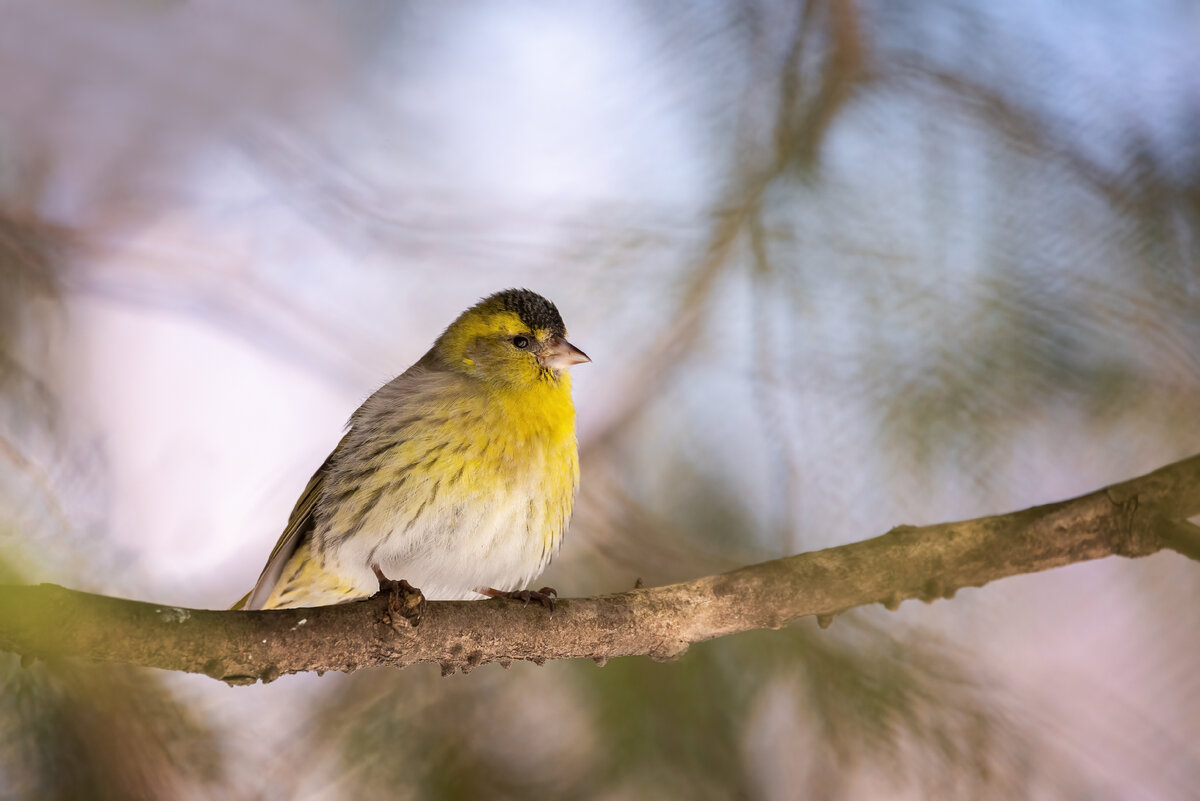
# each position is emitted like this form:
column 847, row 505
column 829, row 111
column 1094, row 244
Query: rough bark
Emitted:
column 1133, row 518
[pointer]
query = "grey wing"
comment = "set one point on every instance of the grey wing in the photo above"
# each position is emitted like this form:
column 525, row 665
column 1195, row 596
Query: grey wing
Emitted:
column 299, row 528
column 424, row 376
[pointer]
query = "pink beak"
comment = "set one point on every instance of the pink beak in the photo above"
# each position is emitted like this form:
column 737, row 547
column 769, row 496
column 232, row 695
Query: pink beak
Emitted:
column 562, row 354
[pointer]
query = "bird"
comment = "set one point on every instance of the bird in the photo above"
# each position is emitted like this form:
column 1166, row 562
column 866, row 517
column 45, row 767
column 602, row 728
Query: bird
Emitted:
column 458, row 476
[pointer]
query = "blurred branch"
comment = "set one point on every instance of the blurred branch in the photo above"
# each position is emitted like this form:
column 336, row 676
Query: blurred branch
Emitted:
column 801, row 138
column 1134, row 518
column 1021, row 126
column 9, row 452
column 795, row 136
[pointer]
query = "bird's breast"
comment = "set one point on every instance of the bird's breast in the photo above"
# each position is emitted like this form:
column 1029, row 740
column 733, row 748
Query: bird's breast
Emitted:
column 473, row 488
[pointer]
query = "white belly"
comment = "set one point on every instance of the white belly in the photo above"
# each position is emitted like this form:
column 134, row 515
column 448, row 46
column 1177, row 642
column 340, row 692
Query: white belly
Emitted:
column 451, row 550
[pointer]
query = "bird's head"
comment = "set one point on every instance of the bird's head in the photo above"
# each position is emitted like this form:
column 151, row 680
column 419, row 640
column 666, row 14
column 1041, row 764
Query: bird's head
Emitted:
column 515, row 337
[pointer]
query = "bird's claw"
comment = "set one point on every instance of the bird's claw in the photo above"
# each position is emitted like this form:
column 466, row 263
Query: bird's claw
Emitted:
column 406, row 604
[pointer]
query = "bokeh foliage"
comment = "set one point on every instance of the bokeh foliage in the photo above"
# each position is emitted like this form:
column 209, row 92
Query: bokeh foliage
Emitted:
column 932, row 266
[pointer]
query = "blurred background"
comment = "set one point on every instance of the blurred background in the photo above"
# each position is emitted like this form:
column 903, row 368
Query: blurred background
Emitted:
column 840, row 265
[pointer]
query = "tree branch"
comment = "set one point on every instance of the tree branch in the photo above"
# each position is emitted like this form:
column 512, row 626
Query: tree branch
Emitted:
column 1133, row 518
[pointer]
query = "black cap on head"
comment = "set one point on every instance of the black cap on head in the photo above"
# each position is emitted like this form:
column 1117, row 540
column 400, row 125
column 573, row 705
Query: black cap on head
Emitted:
column 534, row 310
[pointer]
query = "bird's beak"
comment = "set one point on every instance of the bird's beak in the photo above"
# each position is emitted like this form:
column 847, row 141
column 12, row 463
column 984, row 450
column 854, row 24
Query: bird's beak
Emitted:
column 562, row 354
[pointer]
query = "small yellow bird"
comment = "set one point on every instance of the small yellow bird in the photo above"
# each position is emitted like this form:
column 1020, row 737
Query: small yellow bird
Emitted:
column 458, row 476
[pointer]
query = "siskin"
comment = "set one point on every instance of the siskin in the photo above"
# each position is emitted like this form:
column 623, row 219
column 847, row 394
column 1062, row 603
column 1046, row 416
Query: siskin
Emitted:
column 458, row 475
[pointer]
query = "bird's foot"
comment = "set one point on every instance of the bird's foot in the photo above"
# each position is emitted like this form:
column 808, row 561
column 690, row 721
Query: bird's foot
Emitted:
column 406, row 604
column 545, row 596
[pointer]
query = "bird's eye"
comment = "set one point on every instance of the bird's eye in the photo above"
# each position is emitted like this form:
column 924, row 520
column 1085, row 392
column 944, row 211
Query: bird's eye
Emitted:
column 521, row 342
